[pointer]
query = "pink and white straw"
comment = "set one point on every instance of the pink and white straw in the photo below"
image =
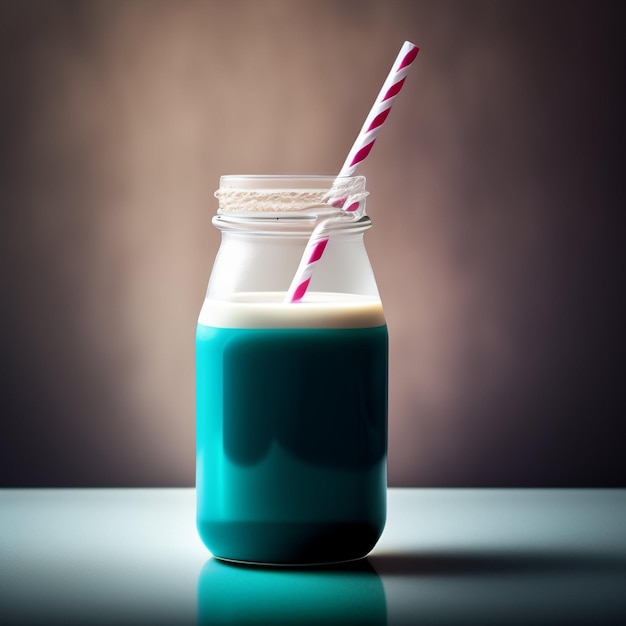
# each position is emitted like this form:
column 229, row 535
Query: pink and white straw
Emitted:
column 359, row 151
column 379, row 112
column 313, row 252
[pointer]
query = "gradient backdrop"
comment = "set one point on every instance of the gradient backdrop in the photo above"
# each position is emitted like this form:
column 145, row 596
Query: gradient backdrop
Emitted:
column 497, row 194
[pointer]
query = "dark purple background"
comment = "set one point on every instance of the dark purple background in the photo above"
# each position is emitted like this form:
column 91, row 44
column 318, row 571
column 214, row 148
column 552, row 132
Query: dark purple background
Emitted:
column 497, row 194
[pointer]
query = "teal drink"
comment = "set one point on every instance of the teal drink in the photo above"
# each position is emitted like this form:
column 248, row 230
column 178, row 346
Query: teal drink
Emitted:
column 291, row 428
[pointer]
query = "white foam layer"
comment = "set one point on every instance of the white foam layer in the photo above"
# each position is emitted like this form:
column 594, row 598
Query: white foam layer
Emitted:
column 316, row 310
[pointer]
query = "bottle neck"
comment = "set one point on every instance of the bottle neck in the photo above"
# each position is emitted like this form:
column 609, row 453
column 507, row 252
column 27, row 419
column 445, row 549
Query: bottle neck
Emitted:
column 261, row 255
column 266, row 222
column 289, row 225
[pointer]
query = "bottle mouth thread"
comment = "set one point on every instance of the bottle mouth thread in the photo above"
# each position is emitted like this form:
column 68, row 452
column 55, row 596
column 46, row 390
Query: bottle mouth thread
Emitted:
column 289, row 224
column 272, row 196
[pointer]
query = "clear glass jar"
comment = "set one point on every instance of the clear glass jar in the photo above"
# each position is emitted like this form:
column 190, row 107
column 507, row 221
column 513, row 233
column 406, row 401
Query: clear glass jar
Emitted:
column 291, row 397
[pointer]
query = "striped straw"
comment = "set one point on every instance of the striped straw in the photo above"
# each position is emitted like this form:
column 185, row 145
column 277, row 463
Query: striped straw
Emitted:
column 379, row 112
column 359, row 151
column 315, row 248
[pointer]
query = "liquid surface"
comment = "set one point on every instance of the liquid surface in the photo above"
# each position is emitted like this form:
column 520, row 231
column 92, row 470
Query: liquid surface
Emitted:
column 316, row 310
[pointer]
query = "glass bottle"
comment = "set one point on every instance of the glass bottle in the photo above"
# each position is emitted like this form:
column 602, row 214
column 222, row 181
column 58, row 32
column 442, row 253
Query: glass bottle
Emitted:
column 291, row 413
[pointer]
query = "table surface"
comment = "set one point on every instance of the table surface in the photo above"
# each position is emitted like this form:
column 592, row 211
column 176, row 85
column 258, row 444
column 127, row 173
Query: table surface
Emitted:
column 447, row 556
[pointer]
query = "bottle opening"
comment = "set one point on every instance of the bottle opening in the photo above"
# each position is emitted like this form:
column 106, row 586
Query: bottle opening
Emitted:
column 286, row 194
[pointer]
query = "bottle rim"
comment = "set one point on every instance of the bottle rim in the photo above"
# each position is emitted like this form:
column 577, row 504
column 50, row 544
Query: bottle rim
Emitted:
column 293, row 194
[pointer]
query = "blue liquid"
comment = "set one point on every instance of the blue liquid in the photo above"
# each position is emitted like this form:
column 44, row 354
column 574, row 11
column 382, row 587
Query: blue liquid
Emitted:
column 291, row 442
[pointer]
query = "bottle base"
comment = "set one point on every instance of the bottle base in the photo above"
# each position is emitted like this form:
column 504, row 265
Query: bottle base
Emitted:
column 288, row 544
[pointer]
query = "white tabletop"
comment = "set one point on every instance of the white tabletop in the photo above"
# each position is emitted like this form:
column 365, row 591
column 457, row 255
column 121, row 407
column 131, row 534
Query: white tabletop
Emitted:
column 132, row 556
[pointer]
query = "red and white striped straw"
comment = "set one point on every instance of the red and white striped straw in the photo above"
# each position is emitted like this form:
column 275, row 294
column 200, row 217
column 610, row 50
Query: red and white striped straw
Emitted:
column 379, row 112
column 359, row 151
column 314, row 250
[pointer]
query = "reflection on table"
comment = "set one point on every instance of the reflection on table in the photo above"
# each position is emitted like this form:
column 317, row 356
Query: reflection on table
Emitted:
column 232, row 594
